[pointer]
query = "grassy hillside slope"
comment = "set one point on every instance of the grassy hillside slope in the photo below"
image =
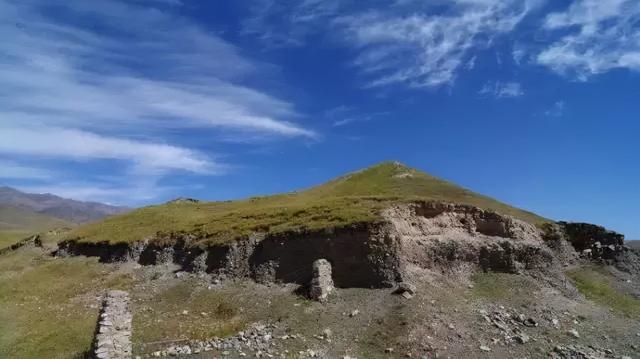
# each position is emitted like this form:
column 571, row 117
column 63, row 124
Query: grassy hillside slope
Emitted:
column 17, row 223
column 14, row 218
column 354, row 198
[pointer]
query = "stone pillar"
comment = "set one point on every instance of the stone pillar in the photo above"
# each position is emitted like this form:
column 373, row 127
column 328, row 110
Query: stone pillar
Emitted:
column 113, row 338
column 321, row 281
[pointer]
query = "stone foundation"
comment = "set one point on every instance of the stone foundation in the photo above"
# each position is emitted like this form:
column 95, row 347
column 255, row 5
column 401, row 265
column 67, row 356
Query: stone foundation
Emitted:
column 113, row 337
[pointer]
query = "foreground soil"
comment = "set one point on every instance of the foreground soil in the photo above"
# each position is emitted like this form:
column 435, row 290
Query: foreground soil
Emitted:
column 49, row 307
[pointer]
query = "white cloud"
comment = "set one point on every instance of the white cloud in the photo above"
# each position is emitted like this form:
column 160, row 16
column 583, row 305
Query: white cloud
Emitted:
column 179, row 75
column 13, row 170
column 410, row 42
column 518, row 54
column 280, row 23
column 557, row 110
column 50, row 142
column 134, row 91
column 598, row 36
column 345, row 115
column 498, row 89
column 132, row 193
column 586, row 12
column 345, row 121
column 424, row 50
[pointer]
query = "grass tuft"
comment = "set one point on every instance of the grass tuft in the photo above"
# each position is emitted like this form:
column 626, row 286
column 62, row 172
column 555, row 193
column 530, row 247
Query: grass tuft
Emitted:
column 506, row 287
column 595, row 286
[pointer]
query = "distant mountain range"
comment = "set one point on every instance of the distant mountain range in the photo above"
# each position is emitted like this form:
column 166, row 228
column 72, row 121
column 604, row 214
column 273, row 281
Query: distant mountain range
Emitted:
column 57, row 207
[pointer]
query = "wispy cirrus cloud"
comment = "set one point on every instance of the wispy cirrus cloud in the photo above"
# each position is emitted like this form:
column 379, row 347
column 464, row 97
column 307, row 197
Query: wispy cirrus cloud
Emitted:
column 14, row 170
column 499, row 89
column 428, row 44
column 287, row 23
column 427, row 48
column 409, row 42
column 51, row 142
column 128, row 91
column 598, row 36
column 158, row 68
column 556, row 110
column 345, row 115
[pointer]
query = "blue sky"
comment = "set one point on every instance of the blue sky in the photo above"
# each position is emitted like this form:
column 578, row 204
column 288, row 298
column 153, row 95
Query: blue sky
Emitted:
column 133, row 102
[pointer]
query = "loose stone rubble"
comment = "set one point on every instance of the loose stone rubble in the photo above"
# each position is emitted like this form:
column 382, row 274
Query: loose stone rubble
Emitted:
column 407, row 290
column 510, row 324
column 321, row 282
column 258, row 341
column 113, row 338
column 581, row 352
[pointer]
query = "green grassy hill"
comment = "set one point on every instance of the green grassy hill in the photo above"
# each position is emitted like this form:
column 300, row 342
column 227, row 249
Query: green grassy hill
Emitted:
column 354, row 198
column 17, row 223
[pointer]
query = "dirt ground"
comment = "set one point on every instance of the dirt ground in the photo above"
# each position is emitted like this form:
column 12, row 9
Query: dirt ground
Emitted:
column 49, row 307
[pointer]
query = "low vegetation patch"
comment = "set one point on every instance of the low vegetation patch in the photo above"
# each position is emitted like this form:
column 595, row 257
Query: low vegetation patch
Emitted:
column 9, row 237
column 493, row 286
column 183, row 311
column 49, row 305
column 596, row 286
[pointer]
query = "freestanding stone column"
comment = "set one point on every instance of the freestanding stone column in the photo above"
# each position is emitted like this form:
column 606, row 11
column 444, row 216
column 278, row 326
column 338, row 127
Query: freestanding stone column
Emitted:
column 113, row 339
column 321, row 281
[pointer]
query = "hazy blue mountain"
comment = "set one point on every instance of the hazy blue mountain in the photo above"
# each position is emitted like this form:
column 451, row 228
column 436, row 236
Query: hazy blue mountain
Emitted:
column 58, row 207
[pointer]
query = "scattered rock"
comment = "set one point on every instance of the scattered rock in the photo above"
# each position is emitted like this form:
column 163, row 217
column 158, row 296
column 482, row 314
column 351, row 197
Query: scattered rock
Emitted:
column 485, row 348
column 574, row 333
column 407, row 295
column 521, row 338
column 404, row 287
column 406, row 290
column 509, row 323
column 183, row 200
column 257, row 338
column 581, row 352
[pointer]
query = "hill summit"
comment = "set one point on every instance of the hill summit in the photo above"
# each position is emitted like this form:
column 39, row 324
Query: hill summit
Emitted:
column 393, row 179
column 357, row 197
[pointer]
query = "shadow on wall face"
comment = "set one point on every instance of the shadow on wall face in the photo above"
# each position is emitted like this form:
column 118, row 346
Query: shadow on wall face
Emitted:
column 356, row 260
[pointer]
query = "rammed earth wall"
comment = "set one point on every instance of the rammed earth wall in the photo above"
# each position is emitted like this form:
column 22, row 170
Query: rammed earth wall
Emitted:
column 420, row 234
